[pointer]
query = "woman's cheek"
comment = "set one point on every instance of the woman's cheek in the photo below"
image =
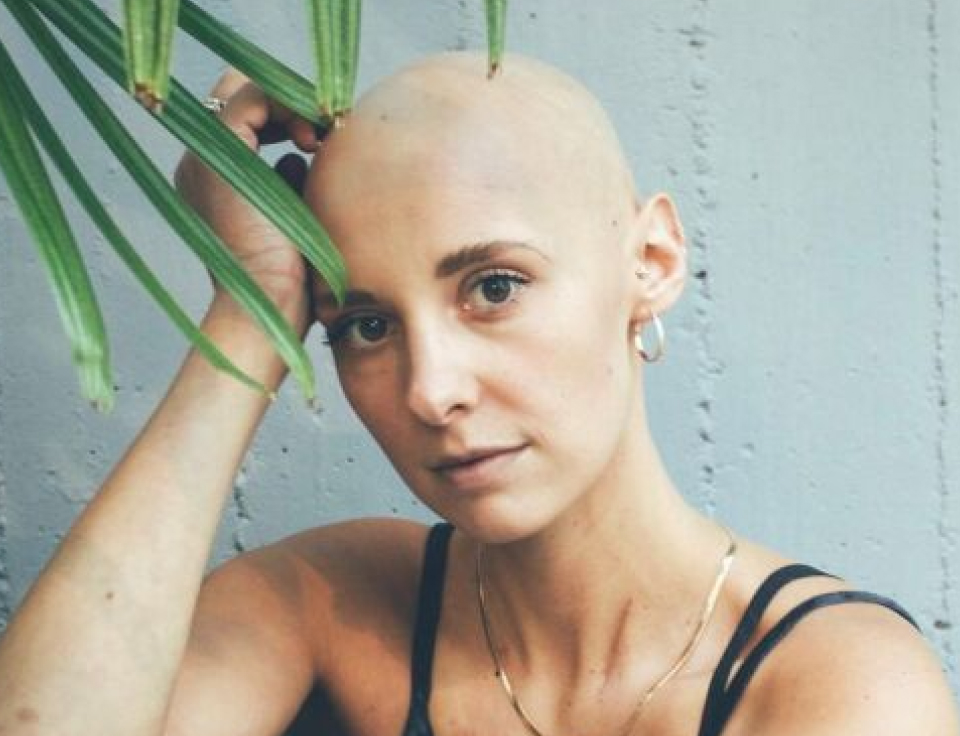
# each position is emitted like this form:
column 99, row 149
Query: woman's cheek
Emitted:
column 590, row 377
column 370, row 388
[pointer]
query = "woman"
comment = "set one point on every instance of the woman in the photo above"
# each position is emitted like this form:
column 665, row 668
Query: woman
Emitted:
column 506, row 283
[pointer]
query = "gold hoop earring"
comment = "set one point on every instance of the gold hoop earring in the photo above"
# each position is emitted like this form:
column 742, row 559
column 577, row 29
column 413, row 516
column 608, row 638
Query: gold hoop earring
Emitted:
column 655, row 355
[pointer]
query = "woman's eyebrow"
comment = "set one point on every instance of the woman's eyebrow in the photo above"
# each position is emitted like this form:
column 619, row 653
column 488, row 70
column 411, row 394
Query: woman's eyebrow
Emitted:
column 475, row 253
column 353, row 298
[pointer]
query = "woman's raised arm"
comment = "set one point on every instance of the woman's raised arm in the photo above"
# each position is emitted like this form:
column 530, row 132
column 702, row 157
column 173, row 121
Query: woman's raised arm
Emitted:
column 99, row 642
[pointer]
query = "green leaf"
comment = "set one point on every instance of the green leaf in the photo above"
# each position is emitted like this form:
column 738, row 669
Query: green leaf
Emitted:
column 167, row 12
column 278, row 81
column 336, row 35
column 349, row 51
column 324, row 46
column 496, row 31
column 137, row 48
column 76, row 302
column 94, row 34
column 59, row 154
column 194, row 230
column 148, row 45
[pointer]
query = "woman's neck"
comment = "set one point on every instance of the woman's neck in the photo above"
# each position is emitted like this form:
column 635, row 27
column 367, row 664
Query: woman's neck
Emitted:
column 625, row 570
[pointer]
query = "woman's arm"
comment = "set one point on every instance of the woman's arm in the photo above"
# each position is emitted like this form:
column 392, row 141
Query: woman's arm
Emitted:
column 100, row 639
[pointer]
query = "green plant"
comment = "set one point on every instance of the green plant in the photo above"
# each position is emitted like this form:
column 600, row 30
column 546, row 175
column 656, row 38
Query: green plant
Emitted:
column 139, row 59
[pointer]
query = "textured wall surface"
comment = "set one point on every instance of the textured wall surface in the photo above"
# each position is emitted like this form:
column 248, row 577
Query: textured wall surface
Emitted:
column 811, row 397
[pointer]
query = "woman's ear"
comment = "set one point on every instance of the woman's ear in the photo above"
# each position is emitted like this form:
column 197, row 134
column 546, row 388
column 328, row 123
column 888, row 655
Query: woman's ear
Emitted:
column 660, row 257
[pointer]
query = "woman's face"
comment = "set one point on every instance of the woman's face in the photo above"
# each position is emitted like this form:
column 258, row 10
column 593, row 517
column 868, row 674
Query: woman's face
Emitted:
column 486, row 341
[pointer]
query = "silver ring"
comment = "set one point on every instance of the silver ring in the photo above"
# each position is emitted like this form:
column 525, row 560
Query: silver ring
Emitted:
column 214, row 104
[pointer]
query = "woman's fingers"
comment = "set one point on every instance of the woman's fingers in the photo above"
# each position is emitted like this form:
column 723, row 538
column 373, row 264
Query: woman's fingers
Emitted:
column 228, row 84
column 283, row 125
column 303, row 133
column 259, row 120
column 246, row 113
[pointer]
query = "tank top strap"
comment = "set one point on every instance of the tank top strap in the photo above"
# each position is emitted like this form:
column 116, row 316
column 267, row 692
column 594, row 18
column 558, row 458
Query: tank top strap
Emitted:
column 429, row 604
column 725, row 692
column 764, row 595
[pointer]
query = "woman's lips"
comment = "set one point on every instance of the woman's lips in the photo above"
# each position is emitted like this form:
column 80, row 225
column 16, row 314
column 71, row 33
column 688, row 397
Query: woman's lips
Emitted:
column 477, row 469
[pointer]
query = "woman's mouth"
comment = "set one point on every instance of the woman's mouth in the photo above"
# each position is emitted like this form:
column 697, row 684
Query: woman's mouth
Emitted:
column 478, row 468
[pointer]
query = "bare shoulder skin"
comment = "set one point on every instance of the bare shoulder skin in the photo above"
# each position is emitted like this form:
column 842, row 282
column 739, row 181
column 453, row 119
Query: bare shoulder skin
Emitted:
column 312, row 624
column 854, row 669
column 349, row 591
column 846, row 669
column 367, row 579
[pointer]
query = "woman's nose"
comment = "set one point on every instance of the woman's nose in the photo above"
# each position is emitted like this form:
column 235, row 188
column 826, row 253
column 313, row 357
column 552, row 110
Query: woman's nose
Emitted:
column 441, row 382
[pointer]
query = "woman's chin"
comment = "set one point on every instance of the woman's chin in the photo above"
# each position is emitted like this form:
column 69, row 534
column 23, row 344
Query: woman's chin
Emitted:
column 498, row 522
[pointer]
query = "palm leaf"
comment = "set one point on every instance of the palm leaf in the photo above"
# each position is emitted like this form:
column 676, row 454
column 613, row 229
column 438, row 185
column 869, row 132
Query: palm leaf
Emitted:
column 148, row 45
column 215, row 255
column 335, row 26
column 137, row 42
column 33, row 191
column 167, row 12
column 96, row 35
column 60, row 156
column 496, row 32
column 324, row 42
column 348, row 51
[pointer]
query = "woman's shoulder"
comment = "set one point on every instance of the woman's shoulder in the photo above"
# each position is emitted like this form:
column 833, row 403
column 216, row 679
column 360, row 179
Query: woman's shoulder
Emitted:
column 371, row 543
column 853, row 666
column 340, row 601
column 853, row 669
column 362, row 561
column 356, row 577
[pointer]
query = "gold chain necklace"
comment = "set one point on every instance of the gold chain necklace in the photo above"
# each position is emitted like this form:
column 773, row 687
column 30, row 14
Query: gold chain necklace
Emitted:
column 710, row 605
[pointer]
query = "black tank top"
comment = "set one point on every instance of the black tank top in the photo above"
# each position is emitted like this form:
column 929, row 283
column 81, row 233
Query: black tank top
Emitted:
column 724, row 691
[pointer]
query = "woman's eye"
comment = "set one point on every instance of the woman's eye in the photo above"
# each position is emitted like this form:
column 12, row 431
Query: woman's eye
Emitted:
column 363, row 331
column 493, row 289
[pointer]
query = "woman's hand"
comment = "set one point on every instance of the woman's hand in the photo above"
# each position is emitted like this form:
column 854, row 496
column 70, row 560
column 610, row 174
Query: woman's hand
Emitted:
column 276, row 266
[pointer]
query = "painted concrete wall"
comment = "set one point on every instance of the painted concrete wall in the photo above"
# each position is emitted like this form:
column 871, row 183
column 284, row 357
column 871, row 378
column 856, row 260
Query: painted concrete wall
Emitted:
column 811, row 394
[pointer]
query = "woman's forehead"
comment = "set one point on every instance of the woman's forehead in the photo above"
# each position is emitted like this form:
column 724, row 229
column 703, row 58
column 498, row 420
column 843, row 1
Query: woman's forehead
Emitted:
column 428, row 206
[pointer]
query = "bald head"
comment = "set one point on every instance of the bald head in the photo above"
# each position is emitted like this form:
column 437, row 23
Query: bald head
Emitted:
column 439, row 151
column 441, row 118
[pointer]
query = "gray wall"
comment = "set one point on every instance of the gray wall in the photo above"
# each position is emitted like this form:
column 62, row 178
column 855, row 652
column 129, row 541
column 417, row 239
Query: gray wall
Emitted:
column 810, row 397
